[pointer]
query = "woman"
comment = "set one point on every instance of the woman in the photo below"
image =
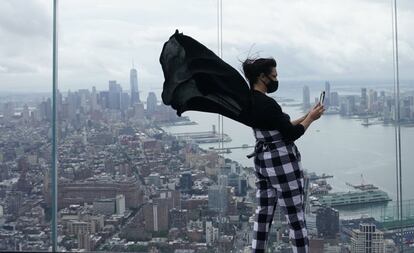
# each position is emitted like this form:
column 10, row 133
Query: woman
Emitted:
column 197, row 79
column 277, row 160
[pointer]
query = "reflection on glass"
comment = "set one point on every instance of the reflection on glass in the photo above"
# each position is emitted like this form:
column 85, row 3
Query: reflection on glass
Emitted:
column 135, row 177
column 403, row 66
column 124, row 183
column 25, row 123
column 349, row 154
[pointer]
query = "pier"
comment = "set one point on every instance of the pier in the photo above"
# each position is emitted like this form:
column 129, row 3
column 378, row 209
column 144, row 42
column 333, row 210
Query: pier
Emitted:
column 228, row 149
column 203, row 137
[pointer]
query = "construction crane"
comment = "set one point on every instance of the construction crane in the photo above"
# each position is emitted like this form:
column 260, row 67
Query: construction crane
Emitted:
column 363, row 186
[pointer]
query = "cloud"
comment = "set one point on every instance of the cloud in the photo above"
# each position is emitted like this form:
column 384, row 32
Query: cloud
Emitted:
column 98, row 39
column 25, row 48
column 25, row 18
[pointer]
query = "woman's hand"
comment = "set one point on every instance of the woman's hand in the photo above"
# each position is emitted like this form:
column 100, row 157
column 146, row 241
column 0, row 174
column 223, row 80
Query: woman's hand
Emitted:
column 316, row 112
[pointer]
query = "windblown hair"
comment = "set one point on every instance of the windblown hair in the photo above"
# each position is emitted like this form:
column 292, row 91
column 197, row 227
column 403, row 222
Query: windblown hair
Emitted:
column 252, row 68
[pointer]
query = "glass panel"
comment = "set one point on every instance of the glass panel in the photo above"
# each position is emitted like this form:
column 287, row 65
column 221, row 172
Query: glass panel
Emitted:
column 25, row 125
column 406, row 60
column 332, row 47
column 119, row 173
column 126, row 184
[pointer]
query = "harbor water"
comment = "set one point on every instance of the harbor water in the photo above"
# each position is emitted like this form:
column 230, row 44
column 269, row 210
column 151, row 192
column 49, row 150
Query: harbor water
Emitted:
column 333, row 145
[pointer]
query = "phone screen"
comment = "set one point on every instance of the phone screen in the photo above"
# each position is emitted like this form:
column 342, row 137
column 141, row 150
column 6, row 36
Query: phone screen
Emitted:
column 322, row 97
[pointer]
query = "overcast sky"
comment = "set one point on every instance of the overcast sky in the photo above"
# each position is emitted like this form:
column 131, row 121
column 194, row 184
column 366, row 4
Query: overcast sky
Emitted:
column 99, row 39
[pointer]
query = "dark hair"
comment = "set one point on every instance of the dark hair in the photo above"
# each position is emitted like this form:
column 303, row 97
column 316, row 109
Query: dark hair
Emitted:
column 252, row 68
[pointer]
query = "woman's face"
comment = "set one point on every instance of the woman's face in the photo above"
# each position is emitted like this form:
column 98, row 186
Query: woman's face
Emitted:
column 273, row 74
column 272, row 83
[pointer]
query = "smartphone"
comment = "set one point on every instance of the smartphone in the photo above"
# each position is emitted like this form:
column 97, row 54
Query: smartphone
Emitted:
column 322, row 97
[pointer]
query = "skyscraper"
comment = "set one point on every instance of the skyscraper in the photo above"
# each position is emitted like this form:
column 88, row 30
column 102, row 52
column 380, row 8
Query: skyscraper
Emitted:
column 367, row 239
column 334, row 99
column 133, row 80
column 327, row 102
column 242, row 187
column 306, row 97
column 156, row 216
column 212, row 233
column 125, row 101
column 372, row 99
column 114, row 95
column 186, row 181
column 120, row 204
column 84, row 241
column 217, row 198
column 93, row 103
column 222, row 180
column 26, row 113
column 178, row 218
column 103, row 99
column 364, row 99
column 327, row 222
column 8, row 109
column 233, row 180
column 151, row 102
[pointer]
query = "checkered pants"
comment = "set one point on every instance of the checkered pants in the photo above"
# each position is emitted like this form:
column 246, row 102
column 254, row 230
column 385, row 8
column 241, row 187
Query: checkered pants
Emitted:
column 279, row 180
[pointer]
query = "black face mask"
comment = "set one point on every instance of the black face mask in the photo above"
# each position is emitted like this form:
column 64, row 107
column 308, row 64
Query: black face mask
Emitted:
column 272, row 86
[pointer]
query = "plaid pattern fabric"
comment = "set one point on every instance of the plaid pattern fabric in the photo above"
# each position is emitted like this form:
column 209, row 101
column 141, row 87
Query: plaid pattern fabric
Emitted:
column 279, row 180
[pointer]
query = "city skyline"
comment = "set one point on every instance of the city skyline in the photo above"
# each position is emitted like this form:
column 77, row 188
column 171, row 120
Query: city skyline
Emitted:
column 117, row 167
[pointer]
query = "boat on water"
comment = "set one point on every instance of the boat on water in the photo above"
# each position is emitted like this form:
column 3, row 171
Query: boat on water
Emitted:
column 354, row 197
column 363, row 194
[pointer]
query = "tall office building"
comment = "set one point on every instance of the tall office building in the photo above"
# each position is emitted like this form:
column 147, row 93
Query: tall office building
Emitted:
column 13, row 203
column 217, row 198
column 327, row 222
column 93, row 103
column 151, row 102
column 372, row 99
column 348, row 108
column 45, row 110
column 83, row 96
column 84, row 241
column 26, row 114
column 178, row 218
column 186, row 182
column 327, row 101
column 367, row 239
column 233, row 180
column 133, row 80
column 120, row 204
column 212, row 233
column 242, row 187
column 172, row 197
column 124, row 101
column 334, row 99
column 103, row 99
column 8, row 109
column 306, row 97
column 114, row 96
column 156, row 216
column 222, row 180
column 72, row 103
column 364, row 99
